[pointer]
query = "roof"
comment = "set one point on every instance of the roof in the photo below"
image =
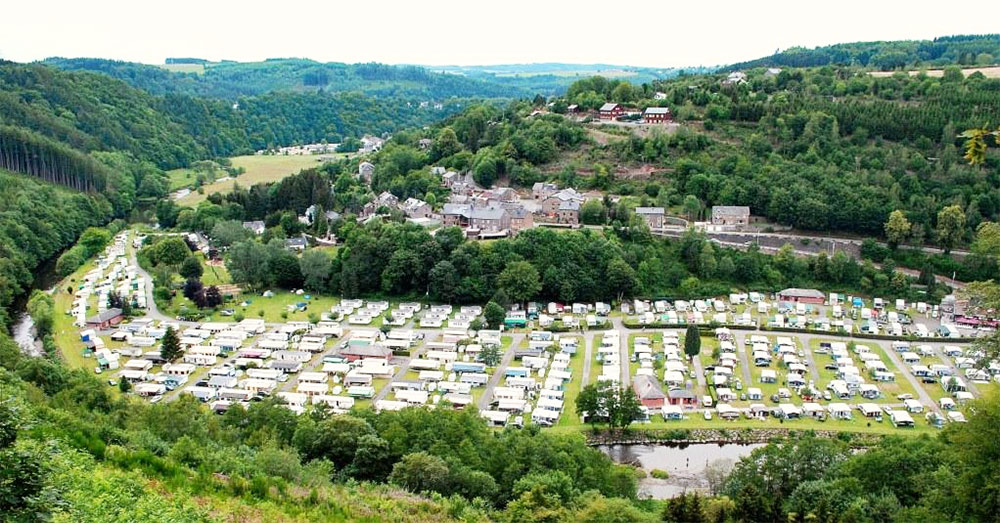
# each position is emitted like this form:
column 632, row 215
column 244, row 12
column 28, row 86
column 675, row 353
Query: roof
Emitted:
column 647, row 389
column 487, row 213
column 657, row 110
column 680, row 394
column 366, row 350
column 649, row 210
column 610, row 106
column 569, row 205
column 730, row 210
column 802, row 293
column 109, row 314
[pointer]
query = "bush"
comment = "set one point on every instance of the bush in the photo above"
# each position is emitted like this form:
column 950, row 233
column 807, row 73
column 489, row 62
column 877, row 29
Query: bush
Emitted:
column 659, row 474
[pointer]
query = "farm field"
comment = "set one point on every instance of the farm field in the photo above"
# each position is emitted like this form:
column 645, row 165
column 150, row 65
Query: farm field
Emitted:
column 988, row 72
column 259, row 169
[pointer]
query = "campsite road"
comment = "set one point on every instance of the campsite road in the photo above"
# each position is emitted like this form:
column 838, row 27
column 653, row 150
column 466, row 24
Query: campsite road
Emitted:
column 498, row 373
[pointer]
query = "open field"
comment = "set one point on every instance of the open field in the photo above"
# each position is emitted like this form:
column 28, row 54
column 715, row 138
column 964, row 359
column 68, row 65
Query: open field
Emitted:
column 184, row 68
column 988, row 72
column 583, row 73
column 259, row 169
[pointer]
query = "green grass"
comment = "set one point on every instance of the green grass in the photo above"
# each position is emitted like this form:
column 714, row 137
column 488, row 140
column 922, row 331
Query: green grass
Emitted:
column 259, row 169
column 573, row 388
column 67, row 335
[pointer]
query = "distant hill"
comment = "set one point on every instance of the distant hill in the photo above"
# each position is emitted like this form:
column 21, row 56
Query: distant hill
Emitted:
column 95, row 112
column 554, row 78
column 230, row 80
column 942, row 51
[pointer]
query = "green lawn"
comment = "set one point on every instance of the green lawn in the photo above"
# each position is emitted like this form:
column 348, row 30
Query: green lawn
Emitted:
column 259, row 169
column 573, row 388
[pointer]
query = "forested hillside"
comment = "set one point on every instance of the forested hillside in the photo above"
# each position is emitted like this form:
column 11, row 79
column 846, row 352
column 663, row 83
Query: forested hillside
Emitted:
column 886, row 56
column 90, row 112
column 232, row 80
column 37, row 221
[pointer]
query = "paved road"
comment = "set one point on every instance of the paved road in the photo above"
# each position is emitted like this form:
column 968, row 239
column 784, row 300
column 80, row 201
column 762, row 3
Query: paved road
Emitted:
column 623, row 350
column 404, row 366
column 810, row 360
column 588, row 357
column 151, row 310
column 951, row 363
column 925, row 398
column 508, row 356
column 741, row 351
column 700, row 374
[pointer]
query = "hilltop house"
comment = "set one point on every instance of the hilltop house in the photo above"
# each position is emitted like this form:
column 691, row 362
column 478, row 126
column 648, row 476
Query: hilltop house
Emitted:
column 730, row 215
column 735, row 77
column 657, row 115
column 487, row 219
column 568, row 212
column 610, row 111
column 551, row 204
column 365, row 171
column 256, row 227
column 520, row 218
column 371, row 144
column 386, row 199
column 542, row 190
column 416, row 208
column 652, row 215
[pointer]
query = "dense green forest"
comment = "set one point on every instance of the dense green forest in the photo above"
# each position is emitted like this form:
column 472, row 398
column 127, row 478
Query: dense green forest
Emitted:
column 91, row 112
column 234, row 80
column 965, row 50
column 37, row 221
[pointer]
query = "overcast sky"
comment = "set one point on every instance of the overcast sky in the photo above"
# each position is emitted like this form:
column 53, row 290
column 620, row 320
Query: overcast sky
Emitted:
column 470, row 32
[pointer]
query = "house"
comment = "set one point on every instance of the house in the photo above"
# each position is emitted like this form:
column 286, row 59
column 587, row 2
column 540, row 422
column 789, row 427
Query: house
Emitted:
column 108, row 318
column 416, row 208
column 648, row 392
column 296, row 244
column 487, row 219
column 256, row 227
column 425, row 143
column 682, row 397
column 551, row 204
column 542, row 190
column 568, row 212
column 652, row 215
column 659, row 95
column 371, row 144
column 611, row 110
column 772, row 71
column 657, row 115
column 365, row 171
column 520, row 218
column 730, row 215
column 794, row 295
column 386, row 199
column 735, row 78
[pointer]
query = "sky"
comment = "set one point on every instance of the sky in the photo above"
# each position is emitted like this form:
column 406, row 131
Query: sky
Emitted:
column 470, row 32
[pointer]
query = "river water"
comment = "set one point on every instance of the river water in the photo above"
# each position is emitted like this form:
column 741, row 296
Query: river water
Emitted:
column 685, row 464
column 23, row 329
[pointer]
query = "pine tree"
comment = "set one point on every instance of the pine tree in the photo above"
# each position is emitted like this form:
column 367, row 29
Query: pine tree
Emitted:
column 170, row 349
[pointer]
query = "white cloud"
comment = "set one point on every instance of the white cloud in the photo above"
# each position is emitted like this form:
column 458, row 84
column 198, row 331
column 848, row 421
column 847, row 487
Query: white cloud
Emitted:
column 632, row 32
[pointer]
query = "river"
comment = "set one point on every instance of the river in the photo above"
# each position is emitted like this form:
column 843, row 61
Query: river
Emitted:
column 685, row 463
column 23, row 328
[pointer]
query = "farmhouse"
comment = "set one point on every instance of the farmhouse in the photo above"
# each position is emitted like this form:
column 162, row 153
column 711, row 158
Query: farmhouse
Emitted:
column 256, row 227
column 731, row 215
column 610, row 111
column 652, row 215
column 657, row 115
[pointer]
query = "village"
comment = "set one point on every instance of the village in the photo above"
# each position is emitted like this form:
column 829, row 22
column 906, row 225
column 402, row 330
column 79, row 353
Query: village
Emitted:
column 798, row 354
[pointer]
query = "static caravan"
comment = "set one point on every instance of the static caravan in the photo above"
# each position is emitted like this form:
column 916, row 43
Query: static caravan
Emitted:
column 474, row 379
column 466, row 367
